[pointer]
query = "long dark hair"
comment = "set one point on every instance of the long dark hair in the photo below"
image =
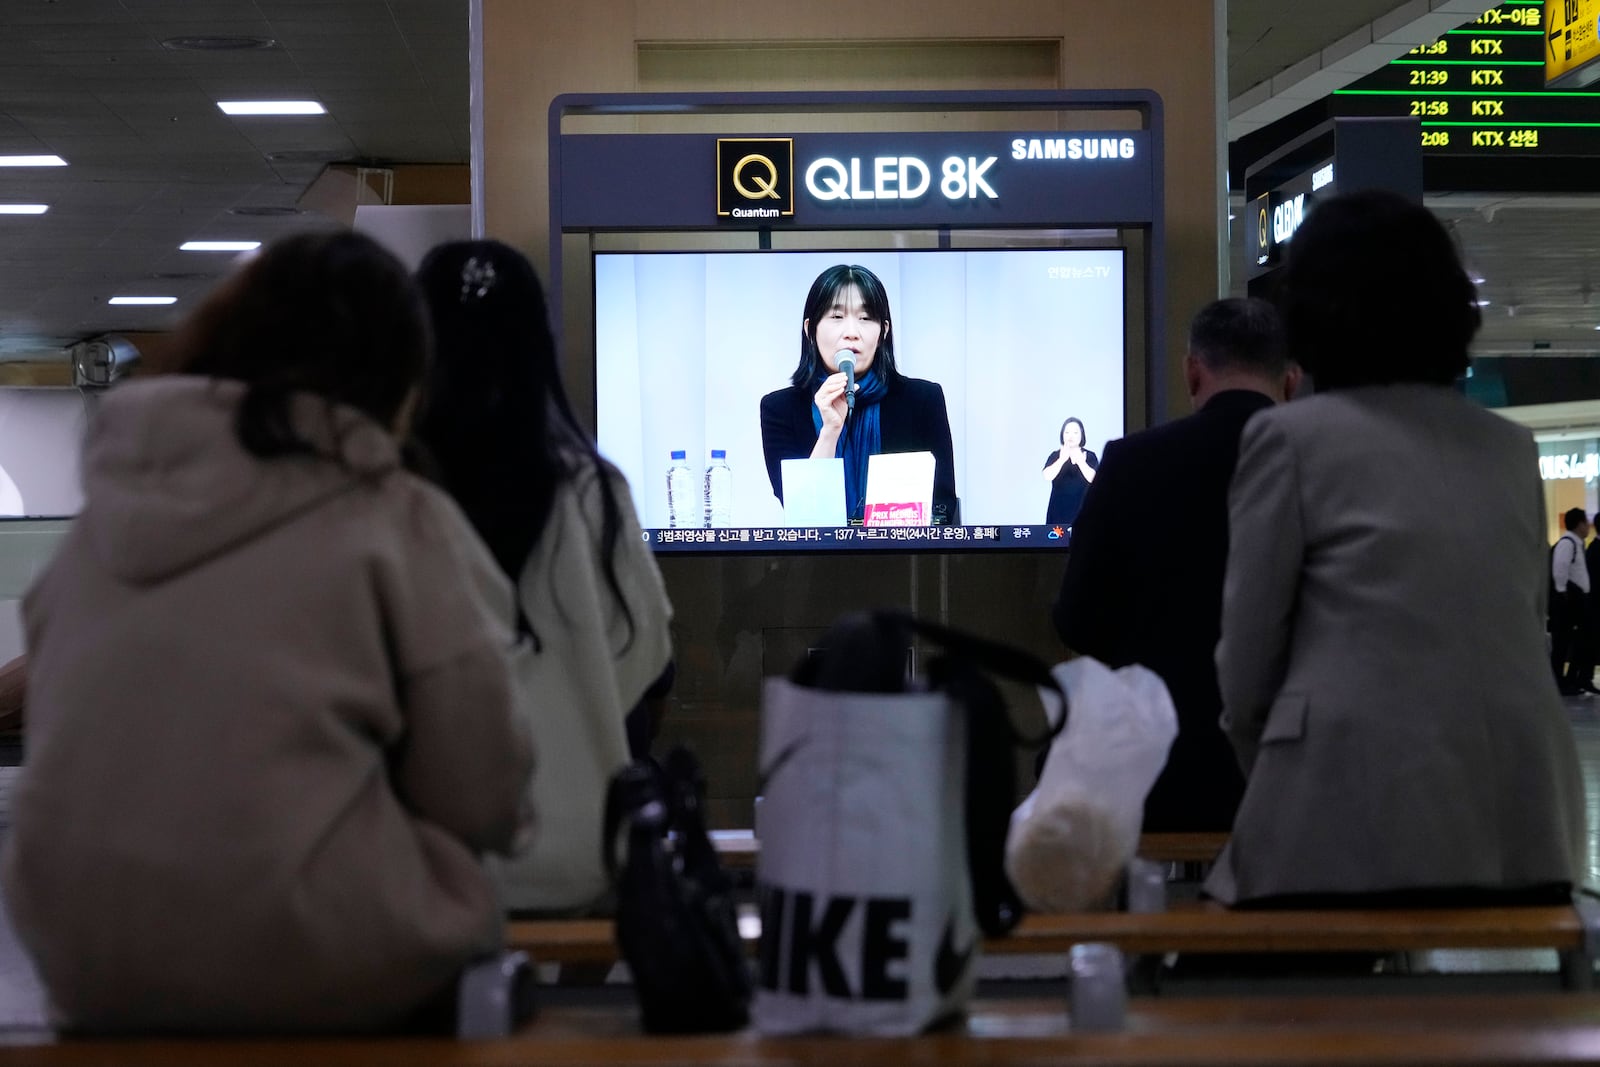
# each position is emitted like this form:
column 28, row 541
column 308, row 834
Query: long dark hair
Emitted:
column 497, row 425
column 824, row 292
column 331, row 314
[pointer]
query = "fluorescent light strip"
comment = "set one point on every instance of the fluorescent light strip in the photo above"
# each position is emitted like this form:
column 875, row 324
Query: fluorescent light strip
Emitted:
column 271, row 107
column 23, row 209
column 32, row 161
column 141, row 300
column 219, row 246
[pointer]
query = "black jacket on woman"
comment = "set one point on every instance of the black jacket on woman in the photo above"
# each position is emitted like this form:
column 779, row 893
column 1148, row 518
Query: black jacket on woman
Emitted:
column 912, row 418
column 1067, row 489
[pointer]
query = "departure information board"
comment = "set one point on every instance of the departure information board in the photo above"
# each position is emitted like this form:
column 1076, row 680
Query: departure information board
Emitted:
column 1480, row 91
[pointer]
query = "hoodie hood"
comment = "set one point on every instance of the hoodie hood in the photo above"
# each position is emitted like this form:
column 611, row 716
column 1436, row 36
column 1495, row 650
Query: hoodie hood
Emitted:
column 168, row 486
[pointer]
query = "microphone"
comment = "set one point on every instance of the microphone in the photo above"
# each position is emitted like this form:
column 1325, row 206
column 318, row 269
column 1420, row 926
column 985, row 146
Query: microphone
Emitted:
column 847, row 363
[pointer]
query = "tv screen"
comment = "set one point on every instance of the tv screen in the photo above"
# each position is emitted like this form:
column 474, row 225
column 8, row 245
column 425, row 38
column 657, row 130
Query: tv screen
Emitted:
column 979, row 368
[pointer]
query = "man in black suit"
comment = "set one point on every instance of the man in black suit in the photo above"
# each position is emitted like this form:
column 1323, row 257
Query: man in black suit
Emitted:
column 1135, row 593
column 1570, row 589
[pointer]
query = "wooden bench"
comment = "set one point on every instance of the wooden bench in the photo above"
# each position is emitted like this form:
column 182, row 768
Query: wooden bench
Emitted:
column 1476, row 1029
column 1208, row 927
column 1181, row 848
column 1572, row 930
column 739, row 849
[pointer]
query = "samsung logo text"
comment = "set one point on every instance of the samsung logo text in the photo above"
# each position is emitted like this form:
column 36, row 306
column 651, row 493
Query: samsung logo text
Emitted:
column 1072, row 148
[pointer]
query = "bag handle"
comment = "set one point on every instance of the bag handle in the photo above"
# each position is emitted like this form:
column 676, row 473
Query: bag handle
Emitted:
column 1003, row 660
column 630, row 796
column 875, row 639
column 686, row 791
column 964, row 672
column 665, row 797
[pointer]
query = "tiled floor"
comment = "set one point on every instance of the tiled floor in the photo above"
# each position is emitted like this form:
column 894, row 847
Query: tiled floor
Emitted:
column 1585, row 712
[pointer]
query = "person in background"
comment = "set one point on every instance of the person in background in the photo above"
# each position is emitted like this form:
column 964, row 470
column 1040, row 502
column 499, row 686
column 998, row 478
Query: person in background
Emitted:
column 1128, row 597
column 560, row 521
column 13, row 694
column 1591, row 616
column 270, row 689
column 1569, row 594
column 1069, row 470
column 1382, row 661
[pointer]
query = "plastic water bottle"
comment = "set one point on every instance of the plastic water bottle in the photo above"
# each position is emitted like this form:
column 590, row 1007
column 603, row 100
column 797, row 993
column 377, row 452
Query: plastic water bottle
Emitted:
column 680, row 491
column 719, row 490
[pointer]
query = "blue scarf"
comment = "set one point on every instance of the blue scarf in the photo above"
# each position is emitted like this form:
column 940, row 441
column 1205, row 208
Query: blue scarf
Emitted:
column 860, row 439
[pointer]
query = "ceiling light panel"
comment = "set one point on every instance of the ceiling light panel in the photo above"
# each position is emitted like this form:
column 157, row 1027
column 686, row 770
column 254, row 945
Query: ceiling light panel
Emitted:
column 23, row 209
column 271, row 107
column 142, row 300
column 219, row 246
column 32, row 161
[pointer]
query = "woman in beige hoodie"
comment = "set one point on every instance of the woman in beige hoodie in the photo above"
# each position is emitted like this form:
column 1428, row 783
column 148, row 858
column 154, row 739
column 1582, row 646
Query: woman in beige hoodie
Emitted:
column 270, row 683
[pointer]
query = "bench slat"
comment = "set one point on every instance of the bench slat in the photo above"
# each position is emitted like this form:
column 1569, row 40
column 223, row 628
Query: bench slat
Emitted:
column 1210, row 928
column 740, row 851
column 1192, row 928
column 1181, row 848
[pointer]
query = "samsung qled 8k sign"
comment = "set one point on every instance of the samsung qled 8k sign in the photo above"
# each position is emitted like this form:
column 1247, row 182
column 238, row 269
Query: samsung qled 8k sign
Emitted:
column 912, row 179
column 830, row 178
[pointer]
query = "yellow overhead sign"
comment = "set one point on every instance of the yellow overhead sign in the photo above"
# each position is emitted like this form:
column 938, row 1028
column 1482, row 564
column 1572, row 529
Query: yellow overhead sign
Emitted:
column 1571, row 41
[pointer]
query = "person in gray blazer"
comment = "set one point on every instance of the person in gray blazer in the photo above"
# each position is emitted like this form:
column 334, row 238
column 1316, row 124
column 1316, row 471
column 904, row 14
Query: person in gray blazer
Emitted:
column 1382, row 665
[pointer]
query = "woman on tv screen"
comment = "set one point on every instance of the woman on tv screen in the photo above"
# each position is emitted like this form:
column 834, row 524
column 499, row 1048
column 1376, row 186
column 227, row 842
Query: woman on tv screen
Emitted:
column 847, row 318
column 1069, row 470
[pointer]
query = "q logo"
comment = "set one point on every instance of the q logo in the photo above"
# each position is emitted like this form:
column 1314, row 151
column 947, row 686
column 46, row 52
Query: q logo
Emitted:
column 755, row 178
column 1263, row 233
column 767, row 188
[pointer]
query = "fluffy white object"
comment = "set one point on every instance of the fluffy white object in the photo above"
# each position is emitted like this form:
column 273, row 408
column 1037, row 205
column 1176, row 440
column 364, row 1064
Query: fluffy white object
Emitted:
column 1075, row 833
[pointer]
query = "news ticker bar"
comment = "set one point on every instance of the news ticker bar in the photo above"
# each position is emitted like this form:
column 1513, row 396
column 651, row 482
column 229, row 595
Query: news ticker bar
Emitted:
column 854, row 538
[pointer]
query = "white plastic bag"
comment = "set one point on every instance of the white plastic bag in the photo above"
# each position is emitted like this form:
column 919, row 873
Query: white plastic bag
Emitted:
column 1075, row 833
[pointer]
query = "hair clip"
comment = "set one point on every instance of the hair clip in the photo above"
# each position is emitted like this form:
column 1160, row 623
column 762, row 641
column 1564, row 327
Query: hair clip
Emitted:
column 477, row 278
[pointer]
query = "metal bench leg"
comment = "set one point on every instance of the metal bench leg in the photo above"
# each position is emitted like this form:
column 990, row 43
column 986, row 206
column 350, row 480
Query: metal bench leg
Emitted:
column 1145, row 887
column 1099, row 994
column 1577, row 965
column 494, row 996
column 1577, row 970
column 1144, row 892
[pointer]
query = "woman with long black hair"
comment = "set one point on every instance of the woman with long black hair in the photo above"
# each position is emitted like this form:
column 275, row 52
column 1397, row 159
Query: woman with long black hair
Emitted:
column 500, row 433
column 847, row 310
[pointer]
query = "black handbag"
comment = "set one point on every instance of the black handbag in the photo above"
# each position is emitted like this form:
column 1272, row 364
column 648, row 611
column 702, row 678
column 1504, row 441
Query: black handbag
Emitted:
column 677, row 925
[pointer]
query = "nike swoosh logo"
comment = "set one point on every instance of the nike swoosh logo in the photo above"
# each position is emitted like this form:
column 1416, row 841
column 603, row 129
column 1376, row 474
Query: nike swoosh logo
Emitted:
column 949, row 965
